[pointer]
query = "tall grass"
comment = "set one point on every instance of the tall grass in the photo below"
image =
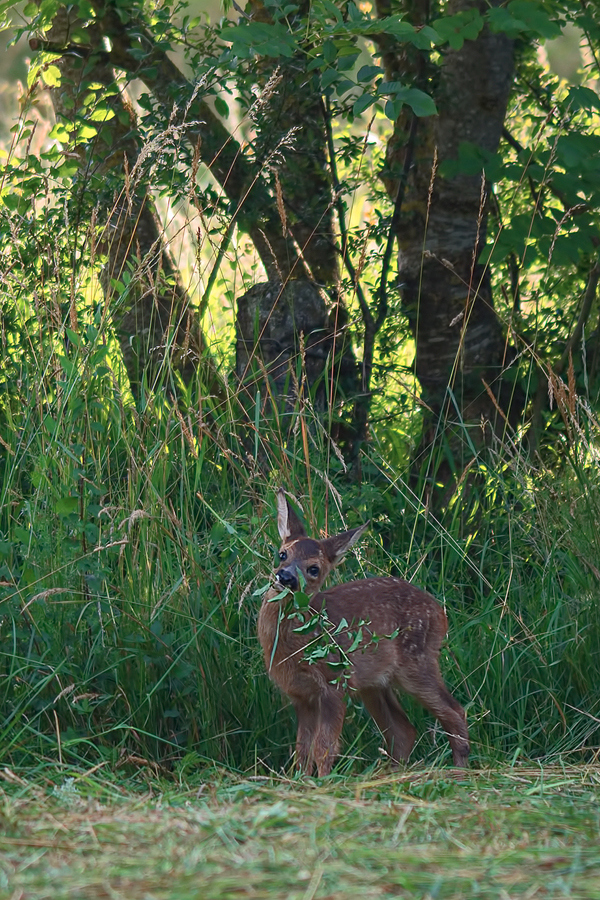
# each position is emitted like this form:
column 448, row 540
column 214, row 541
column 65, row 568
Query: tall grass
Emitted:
column 135, row 536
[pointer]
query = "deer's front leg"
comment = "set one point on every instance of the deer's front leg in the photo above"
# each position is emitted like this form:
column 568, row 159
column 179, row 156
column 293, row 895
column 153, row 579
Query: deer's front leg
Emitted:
column 327, row 739
column 307, row 713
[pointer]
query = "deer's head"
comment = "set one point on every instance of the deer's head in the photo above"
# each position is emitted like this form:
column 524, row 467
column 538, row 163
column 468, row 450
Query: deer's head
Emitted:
column 305, row 563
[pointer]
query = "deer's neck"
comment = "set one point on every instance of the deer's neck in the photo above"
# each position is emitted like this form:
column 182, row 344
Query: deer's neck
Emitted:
column 276, row 634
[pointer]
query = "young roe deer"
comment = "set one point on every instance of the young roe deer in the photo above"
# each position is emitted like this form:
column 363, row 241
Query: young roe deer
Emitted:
column 396, row 628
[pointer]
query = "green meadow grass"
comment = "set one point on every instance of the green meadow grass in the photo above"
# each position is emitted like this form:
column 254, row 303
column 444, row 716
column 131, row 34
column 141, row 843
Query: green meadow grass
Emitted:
column 519, row 832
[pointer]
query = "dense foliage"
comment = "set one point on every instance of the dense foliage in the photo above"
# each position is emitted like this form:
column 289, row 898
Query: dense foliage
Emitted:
column 138, row 467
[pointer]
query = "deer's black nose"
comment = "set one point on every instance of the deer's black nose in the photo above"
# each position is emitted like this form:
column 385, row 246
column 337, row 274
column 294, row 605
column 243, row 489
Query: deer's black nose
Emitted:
column 288, row 579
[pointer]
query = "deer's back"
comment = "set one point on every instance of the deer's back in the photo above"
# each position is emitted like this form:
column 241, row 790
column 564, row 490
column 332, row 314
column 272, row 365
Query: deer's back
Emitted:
column 391, row 609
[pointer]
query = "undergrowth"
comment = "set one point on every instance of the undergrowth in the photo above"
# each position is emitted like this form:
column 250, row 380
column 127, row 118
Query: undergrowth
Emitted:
column 135, row 535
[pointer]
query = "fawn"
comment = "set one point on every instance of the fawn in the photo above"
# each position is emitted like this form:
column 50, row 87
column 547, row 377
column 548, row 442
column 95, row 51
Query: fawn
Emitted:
column 388, row 632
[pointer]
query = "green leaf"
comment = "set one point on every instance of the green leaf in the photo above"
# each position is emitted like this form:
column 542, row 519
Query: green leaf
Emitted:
column 85, row 10
column 363, row 103
column 391, row 87
column 457, row 29
column 68, row 169
column 65, row 506
column 583, row 98
column 343, row 86
column 74, row 337
column 51, row 76
column 420, row 102
column 329, row 51
column 86, row 132
column 262, row 38
column 535, row 17
column 23, row 535
column 101, row 113
column 332, row 10
column 221, row 107
column 368, row 73
column 10, row 199
column 301, row 600
column 5, row 548
column 328, row 78
column 307, row 626
column 523, row 16
column 356, row 642
column 60, row 133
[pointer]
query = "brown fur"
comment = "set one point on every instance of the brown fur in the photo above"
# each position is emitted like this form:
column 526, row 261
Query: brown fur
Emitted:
column 408, row 659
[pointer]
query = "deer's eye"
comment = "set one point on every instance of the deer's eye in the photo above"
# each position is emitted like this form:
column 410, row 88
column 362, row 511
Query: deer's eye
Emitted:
column 282, row 555
column 313, row 571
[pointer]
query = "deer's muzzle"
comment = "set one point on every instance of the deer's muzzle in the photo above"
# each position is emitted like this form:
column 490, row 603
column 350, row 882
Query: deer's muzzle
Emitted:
column 288, row 578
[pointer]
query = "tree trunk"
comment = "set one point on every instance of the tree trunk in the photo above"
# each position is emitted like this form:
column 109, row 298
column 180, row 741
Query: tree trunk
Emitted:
column 288, row 333
column 446, row 291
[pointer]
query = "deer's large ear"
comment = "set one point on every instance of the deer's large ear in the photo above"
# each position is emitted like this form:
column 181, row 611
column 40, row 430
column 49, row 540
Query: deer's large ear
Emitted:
column 335, row 547
column 289, row 525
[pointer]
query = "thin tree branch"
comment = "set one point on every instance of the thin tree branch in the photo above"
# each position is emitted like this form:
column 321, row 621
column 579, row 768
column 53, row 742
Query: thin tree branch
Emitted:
column 382, row 307
column 586, row 307
column 341, row 214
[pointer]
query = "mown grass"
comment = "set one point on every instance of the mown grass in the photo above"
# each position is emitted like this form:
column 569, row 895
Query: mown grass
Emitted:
column 520, row 832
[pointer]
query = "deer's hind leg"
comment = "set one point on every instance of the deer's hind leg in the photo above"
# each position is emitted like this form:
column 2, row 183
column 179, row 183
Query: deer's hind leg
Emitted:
column 392, row 721
column 427, row 686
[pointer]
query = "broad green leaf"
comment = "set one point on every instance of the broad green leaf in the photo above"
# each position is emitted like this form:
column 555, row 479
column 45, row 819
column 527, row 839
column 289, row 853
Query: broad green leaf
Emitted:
column 420, row 103
column 86, row 132
column 343, row 86
column 465, row 25
column 329, row 51
column 392, row 87
column 68, row 169
column 10, row 200
column 333, row 11
column 65, row 506
column 23, row 535
column 535, row 16
column 74, row 337
column 51, row 76
column 523, row 16
column 368, row 73
column 363, row 103
column 583, row 98
column 262, row 38
column 301, row 600
column 328, row 78
column 85, row 10
column 101, row 113
column 60, row 133
column 221, row 106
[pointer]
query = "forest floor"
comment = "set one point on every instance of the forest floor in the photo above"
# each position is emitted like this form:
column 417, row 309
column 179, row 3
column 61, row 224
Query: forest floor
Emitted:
column 520, row 832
